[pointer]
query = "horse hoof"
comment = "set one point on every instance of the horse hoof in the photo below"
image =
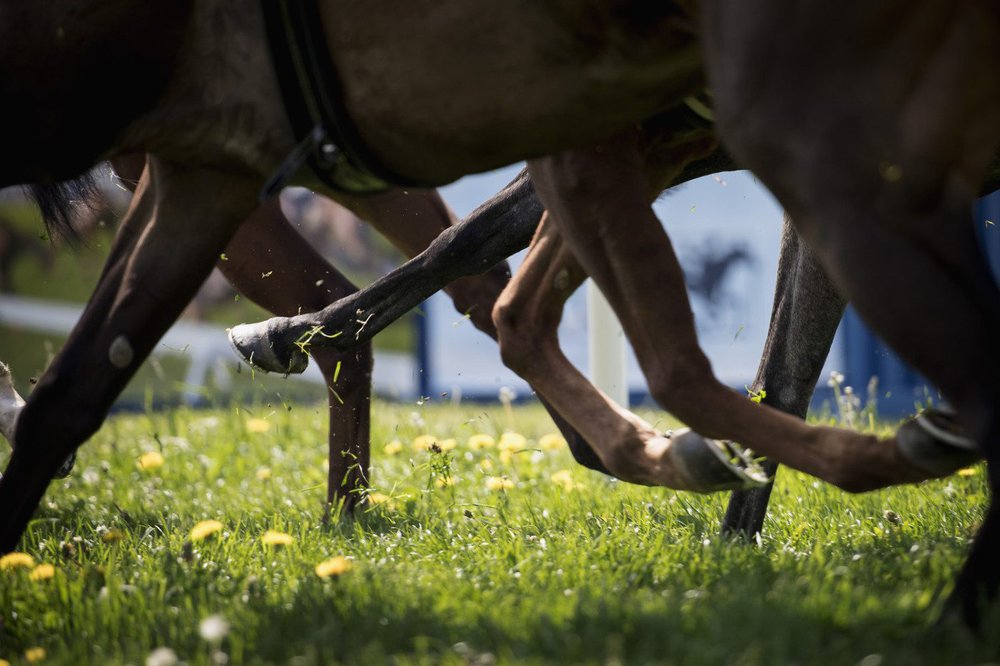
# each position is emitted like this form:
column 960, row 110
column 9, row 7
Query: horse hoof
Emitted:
column 711, row 465
column 253, row 343
column 934, row 442
column 67, row 467
column 10, row 404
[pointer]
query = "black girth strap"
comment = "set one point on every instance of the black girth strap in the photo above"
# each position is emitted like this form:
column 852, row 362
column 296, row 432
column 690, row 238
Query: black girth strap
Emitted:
column 328, row 140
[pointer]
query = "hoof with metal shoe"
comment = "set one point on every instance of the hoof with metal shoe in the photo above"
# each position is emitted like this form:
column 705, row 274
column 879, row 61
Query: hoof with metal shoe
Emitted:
column 934, row 442
column 711, row 465
column 254, row 345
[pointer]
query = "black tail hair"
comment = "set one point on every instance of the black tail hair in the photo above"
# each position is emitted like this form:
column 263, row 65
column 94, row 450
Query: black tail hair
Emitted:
column 57, row 201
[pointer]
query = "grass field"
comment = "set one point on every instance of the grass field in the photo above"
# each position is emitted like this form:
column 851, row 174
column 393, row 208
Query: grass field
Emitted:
column 470, row 556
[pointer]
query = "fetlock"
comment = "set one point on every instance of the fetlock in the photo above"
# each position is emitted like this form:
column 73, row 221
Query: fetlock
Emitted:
column 475, row 296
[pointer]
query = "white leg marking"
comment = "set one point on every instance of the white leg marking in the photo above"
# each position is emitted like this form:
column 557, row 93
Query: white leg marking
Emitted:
column 120, row 352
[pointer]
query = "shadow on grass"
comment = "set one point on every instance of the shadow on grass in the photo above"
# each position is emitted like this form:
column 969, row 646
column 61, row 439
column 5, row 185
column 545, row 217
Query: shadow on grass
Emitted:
column 754, row 612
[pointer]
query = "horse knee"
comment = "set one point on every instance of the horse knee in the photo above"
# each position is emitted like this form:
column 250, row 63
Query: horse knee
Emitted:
column 517, row 335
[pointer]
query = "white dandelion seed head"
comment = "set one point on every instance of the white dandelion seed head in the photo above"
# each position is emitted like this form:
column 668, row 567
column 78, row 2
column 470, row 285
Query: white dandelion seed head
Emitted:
column 161, row 656
column 213, row 628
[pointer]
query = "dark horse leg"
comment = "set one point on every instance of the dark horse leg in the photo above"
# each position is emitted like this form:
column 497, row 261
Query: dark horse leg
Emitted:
column 272, row 265
column 497, row 229
column 161, row 256
column 487, row 237
column 467, row 260
column 877, row 145
column 807, row 310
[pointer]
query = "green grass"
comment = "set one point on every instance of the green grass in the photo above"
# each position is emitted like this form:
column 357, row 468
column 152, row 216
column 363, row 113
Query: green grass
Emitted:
column 605, row 573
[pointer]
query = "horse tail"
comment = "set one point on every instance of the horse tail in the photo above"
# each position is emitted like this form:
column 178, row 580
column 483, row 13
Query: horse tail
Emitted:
column 58, row 202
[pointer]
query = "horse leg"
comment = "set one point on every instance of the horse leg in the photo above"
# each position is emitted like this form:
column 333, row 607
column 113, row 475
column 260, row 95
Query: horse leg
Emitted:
column 412, row 221
column 139, row 296
column 274, row 266
column 500, row 227
column 527, row 318
column 11, row 403
column 485, row 239
column 513, row 216
column 886, row 209
column 638, row 271
column 804, row 319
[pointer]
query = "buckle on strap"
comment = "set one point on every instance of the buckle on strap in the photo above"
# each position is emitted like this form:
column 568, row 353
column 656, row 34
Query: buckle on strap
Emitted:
column 315, row 144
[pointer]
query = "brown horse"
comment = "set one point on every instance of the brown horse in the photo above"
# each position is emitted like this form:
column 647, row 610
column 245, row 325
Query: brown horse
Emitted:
column 805, row 302
column 584, row 74
column 679, row 375
column 204, row 109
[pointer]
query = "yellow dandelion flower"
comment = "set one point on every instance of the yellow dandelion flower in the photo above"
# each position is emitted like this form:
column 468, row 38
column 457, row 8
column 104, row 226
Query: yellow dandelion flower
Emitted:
column 334, row 566
column 511, row 441
column 4, row 662
column 448, row 444
column 205, row 529
column 486, row 464
column 275, row 538
column 12, row 561
column 31, row 655
column 381, row 500
column 551, row 442
column 112, row 535
column 424, row 442
column 564, row 479
column 444, row 481
column 393, row 447
column 263, row 474
column 968, row 471
column 149, row 461
column 499, row 483
column 378, row 498
column 258, row 425
column 42, row 572
column 481, row 441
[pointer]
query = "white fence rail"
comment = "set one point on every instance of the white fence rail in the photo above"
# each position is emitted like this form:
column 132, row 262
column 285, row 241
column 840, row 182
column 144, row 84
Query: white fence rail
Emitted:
column 206, row 347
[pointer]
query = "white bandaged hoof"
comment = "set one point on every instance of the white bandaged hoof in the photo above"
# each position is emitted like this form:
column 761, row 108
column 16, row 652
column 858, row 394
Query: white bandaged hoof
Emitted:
column 934, row 442
column 10, row 404
column 711, row 465
column 253, row 343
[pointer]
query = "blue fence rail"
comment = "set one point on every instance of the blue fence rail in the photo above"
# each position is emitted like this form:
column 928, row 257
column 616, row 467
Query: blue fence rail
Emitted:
column 867, row 356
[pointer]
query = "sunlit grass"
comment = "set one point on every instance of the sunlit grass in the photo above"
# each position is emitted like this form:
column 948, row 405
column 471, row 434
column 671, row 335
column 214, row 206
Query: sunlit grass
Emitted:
column 520, row 555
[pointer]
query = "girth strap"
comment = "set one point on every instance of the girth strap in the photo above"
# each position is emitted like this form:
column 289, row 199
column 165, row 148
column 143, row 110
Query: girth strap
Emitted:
column 313, row 98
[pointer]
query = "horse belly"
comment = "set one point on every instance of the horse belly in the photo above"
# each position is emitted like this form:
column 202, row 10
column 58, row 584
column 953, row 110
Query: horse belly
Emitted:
column 441, row 89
